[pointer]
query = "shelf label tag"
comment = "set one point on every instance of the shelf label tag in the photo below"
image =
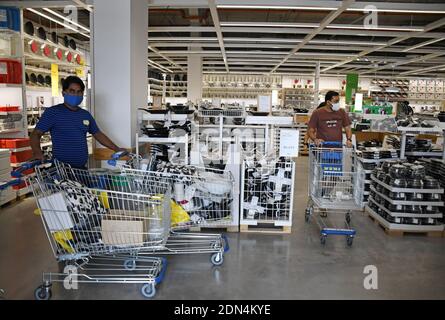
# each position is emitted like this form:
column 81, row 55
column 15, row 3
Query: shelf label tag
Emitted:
column 80, row 73
column 54, row 79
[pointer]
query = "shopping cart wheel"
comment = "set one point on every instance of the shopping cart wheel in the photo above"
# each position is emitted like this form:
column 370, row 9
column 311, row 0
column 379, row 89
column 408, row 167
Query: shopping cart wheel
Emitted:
column 308, row 214
column 323, row 239
column 217, row 259
column 348, row 217
column 349, row 240
column 148, row 290
column 43, row 293
column 130, row 264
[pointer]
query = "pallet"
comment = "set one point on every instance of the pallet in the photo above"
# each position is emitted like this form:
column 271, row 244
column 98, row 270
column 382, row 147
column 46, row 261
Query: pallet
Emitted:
column 218, row 228
column 399, row 233
column 9, row 203
column 266, row 227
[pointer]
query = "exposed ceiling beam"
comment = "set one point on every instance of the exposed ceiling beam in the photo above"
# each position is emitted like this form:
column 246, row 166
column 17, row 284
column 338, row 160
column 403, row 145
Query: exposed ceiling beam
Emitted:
column 394, row 65
column 419, row 70
column 166, row 58
column 365, row 33
column 431, row 26
column 269, row 40
column 83, row 5
column 217, row 24
column 326, row 21
column 422, row 44
column 331, row 5
column 316, row 25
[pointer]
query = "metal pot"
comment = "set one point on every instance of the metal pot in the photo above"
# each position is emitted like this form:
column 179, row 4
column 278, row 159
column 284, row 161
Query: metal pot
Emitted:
column 398, row 171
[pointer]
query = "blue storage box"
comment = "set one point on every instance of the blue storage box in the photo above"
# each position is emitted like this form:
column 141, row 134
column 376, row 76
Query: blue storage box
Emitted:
column 10, row 18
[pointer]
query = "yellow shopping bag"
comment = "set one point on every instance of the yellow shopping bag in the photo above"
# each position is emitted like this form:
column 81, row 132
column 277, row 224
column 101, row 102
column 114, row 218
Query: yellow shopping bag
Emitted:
column 178, row 215
column 63, row 238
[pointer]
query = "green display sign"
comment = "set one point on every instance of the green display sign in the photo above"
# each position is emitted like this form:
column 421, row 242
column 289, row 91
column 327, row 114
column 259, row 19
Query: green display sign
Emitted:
column 351, row 86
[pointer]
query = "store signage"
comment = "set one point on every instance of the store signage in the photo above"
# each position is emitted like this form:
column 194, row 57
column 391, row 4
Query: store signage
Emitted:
column 55, row 79
column 289, row 142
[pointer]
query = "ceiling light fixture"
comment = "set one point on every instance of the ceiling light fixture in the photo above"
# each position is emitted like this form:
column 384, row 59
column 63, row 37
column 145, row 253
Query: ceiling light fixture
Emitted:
column 242, row 6
column 57, row 21
column 67, row 19
column 314, row 25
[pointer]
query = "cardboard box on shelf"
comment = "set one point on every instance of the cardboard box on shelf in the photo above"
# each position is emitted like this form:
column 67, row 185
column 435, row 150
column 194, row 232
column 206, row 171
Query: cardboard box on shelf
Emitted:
column 298, row 118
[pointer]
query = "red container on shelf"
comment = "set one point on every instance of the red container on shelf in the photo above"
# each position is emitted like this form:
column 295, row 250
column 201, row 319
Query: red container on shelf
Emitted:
column 20, row 186
column 10, row 71
column 14, row 143
column 22, row 156
column 9, row 108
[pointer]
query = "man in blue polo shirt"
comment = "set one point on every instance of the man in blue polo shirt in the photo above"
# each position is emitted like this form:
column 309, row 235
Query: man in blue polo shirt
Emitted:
column 68, row 125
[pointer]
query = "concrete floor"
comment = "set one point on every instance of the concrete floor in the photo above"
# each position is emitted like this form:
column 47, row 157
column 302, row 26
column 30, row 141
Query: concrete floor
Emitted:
column 258, row 266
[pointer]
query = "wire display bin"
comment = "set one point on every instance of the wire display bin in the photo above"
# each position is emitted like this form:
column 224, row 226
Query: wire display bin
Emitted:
column 331, row 189
column 98, row 228
column 199, row 197
column 267, row 193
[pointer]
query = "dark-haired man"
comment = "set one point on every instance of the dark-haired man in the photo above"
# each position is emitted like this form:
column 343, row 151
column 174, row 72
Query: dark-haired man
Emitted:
column 327, row 123
column 68, row 125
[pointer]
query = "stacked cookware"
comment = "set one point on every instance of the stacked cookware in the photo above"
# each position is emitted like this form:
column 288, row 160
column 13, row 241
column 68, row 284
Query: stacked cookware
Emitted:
column 403, row 193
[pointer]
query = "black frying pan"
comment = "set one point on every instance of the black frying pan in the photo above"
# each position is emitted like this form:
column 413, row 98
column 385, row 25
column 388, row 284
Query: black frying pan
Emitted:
column 48, row 80
column 73, row 44
column 27, row 77
column 41, row 33
column 33, row 78
column 29, row 28
column 66, row 41
column 40, row 79
column 54, row 37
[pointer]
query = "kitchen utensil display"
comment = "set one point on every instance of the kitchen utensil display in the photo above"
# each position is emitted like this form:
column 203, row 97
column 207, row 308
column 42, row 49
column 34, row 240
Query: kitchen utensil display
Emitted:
column 41, row 33
column 72, row 44
column 29, row 28
column 48, row 80
column 54, row 37
column 33, row 78
column 40, row 80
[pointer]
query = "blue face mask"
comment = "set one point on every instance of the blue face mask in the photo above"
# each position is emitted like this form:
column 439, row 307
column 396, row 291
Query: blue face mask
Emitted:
column 73, row 101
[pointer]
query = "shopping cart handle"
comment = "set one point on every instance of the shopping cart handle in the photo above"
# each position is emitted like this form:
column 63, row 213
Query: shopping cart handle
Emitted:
column 161, row 275
column 17, row 173
column 11, row 183
column 116, row 156
column 328, row 144
column 226, row 243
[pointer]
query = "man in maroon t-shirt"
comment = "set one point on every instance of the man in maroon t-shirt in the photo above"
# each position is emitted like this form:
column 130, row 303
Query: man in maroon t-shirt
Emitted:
column 327, row 123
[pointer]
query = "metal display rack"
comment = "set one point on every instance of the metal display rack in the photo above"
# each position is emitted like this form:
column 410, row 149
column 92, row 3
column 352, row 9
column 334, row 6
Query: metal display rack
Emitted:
column 438, row 130
column 267, row 195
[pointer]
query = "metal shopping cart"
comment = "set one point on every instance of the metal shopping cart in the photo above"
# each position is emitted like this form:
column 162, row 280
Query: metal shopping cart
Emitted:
column 97, row 229
column 205, row 194
column 331, row 184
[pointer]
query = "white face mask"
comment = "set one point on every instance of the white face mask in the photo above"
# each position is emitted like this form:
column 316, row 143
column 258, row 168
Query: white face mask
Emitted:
column 336, row 106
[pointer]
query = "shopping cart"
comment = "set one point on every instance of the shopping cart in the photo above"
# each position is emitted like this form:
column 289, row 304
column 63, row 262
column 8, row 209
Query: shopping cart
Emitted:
column 205, row 195
column 331, row 184
column 97, row 229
